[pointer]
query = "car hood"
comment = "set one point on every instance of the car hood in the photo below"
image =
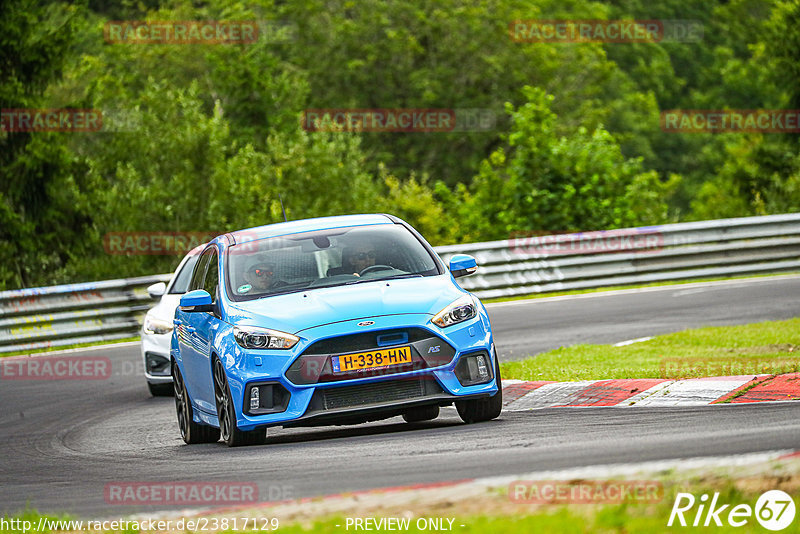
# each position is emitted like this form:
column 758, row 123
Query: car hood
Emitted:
column 296, row 312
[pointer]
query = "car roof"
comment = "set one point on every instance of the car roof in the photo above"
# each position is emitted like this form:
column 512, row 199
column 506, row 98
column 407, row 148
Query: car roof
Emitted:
column 307, row 225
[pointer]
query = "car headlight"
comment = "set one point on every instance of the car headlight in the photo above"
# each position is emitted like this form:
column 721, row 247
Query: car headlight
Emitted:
column 153, row 325
column 253, row 337
column 458, row 311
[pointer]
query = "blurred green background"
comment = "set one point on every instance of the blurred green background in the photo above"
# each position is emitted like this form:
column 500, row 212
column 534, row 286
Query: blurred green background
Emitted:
column 205, row 137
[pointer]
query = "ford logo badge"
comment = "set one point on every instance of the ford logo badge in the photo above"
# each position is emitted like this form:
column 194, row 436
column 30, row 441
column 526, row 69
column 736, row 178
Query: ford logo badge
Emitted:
column 366, row 323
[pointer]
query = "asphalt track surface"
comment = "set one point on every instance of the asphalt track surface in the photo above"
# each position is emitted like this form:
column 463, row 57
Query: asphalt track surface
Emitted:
column 63, row 441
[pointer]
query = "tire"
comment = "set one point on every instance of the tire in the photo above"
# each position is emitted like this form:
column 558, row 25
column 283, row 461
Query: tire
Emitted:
column 191, row 432
column 230, row 433
column 477, row 410
column 161, row 390
column 423, row 413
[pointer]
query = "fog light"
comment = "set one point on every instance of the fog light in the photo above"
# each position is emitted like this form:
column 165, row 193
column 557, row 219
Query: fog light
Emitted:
column 255, row 399
column 474, row 369
column 265, row 398
column 157, row 365
column 483, row 371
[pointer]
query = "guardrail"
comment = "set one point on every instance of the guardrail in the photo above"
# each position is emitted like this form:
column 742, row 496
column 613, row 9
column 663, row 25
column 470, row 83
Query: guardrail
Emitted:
column 32, row 319
column 707, row 249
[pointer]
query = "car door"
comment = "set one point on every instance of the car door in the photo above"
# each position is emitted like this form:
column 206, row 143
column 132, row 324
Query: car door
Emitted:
column 206, row 325
column 190, row 344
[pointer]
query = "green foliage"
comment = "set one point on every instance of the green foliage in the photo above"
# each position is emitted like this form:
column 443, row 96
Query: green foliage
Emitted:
column 207, row 137
column 181, row 169
column 456, row 54
column 413, row 200
column 42, row 209
column 543, row 182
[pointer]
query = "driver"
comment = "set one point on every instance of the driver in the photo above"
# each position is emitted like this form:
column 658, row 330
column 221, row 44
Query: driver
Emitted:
column 261, row 275
column 355, row 259
column 361, row 257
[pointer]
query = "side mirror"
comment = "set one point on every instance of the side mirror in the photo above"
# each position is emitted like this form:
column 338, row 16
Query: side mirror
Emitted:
column 196, row 301
column 462, row 265
column 157, row 290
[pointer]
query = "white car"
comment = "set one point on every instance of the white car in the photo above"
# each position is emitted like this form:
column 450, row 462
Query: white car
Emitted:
column 157, row 327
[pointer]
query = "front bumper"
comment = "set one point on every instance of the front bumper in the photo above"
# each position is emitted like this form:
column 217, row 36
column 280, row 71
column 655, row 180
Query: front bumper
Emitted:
column 156, row 358
column 321, row 397
column 341, row 406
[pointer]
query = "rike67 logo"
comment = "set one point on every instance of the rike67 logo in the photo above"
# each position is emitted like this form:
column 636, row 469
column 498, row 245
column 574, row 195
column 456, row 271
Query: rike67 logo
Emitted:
column 774, row 510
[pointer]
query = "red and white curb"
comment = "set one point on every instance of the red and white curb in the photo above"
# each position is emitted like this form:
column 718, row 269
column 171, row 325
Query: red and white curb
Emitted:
column 519, row 395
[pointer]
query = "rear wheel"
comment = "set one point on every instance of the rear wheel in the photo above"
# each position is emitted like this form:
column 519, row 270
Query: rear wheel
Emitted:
column 231, row 435
column 191, row 432
column 477, row 410
column 423, row 413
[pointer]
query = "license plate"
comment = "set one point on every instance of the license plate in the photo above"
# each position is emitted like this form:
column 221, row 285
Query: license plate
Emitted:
column 372, row 359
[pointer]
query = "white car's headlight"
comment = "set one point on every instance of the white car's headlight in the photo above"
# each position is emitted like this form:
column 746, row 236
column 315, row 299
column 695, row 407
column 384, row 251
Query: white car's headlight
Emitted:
column 253, row 337
column 458, row 311
column 153, row 325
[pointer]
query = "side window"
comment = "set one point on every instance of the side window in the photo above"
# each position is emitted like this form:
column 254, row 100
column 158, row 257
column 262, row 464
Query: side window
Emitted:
column 212, row 276
column 199, row 273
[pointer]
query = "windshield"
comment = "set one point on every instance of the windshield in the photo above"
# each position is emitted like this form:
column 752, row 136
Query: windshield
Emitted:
column 324, row 259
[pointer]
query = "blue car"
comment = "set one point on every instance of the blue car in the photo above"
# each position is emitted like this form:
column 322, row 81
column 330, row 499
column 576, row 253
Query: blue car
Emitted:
column 335, row 320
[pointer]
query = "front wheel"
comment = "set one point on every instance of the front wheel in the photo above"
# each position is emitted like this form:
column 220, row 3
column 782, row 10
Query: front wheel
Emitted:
column 477, row 410
column 226, row 412
column 191, row 432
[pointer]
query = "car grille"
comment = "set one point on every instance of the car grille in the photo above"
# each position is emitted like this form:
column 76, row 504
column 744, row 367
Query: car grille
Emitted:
column 366, row 394
column 314, row 365
column 364, row 341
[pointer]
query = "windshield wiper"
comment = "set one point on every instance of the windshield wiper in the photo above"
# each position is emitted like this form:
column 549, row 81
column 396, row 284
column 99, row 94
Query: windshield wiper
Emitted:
column 398, row 276
column 395, row 277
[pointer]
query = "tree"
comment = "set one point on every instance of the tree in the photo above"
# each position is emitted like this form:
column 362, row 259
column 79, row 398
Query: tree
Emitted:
column 42, row 209
column 543, row 182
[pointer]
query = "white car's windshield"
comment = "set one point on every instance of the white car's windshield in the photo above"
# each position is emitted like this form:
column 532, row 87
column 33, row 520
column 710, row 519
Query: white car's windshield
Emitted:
column 325, row 258
column 180, row 284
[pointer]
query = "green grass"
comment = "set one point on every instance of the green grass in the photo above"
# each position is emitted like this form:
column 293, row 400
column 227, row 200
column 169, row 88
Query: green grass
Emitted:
column 632, row 286
column 760, row 348
column 67, row 347
column 606, row 519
